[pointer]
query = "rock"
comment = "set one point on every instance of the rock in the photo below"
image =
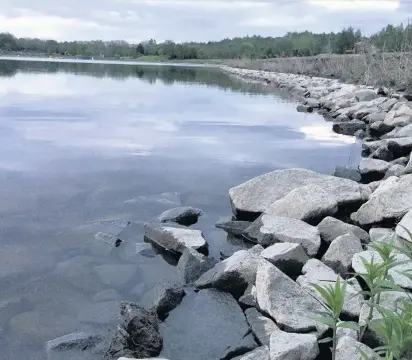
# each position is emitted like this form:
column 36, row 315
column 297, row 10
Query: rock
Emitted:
column 106, row 295
column 262, row 327
column 167, row 297
column 304, row 108
column 399, row 116
column 268, row 230
column 192, row 265
column 398, row 146
column 398, row 132
column 381, row 234
column 388, row 104
column 261, row 353
column 395, row 148
column 330, row 228
column 255, row 196
column 246, row 344
column 365, row 95
column 374, row 185
column 400, row 161
column 348, row 348
column 395, row 272
column 374, row 117
column 378, row 128
column 341, row 332
column 287, row 257
column 287, row 346
column 382, row 90
column 349, row 127
column 340, row 253
column 232, row 275
column 373, row 169
column 382, row 153
column 408, row 169
column 184, row 215
column 341, row 119
column 390, row 201
column 307, row 203
column 79, row 341
column 140, row 337
column 347, row 173
column 395, row 170
column 175, row 238
column 404, row 226
column 235, row 228
column 248, row 299
column 318, row 273
column 313, row 103
column 286, row 302
column 115, row 275
column 210, row 315
column 360, row 134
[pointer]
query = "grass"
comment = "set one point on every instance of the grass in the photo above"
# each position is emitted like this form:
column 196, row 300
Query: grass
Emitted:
column 381, row 69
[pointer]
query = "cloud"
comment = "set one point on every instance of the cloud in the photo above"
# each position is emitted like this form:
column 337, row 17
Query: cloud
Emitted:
column 192, row 20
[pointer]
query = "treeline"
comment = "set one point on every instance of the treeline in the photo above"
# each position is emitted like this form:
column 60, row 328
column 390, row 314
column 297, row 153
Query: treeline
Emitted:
column 389, row 39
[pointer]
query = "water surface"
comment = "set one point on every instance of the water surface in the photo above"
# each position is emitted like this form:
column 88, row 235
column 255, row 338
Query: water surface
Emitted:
column 88, row 148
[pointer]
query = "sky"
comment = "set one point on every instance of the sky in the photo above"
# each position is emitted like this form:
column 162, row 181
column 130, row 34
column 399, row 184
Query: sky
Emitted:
column 192, row 20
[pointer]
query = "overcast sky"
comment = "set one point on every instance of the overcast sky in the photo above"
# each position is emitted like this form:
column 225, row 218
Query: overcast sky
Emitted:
column 197, row 20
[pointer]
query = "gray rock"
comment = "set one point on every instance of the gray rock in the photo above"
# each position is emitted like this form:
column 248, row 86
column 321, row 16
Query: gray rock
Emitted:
column 374, row 185
column 408, row 169
column 373, row 169
column 175, row 238
column 258, row 194
column 261, row 353
column 287, row 346
column 246, row 344
column 268, row 230
column 399, row 132
column 256, row 249
column 330, row 228
column 307, row 203
column 374, row 117
column 285, row 301
column 192, row 265
column 248, row 299
column 315, row 272
column 287, row 257
column 390, row 201
column 378, row 128
column 403, row 146
column 262, row 327
column 210, row 315
column 395, row 170
column 365, row 95
column 304, row 108
column 340, row 253
column 167, row 297
column 106, row 295
column 348, row 348
column 395, row 272
column 347, row 173
column 361, row 134
column 341, row 332
column 363, row 112
column 313, row 103
column 404, row 226
column 400, row 161
column 388, row 104
column 341, row 118
column 349, row 127
column 232, row 275
column 235, row 228
column 381, row 234
column 184, row 215
column 115, row 275
column 79, row 341
column 382, row 153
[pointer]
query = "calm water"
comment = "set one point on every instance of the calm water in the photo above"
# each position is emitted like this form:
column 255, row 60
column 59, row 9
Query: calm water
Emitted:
column 85, row 148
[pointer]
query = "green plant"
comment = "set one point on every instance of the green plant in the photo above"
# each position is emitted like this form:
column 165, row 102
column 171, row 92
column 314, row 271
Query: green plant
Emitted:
column 333, row 298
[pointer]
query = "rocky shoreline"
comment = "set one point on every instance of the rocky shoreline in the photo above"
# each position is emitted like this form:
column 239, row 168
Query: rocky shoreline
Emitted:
column 302, row 228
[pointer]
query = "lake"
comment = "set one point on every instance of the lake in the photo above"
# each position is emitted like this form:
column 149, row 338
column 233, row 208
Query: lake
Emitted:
column 97, row 148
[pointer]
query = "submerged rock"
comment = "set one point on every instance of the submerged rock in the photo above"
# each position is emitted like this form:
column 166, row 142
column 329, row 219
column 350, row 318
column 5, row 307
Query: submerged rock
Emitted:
column 80, row 341
column 175, row 238
column 184, row 215
column 204, row 326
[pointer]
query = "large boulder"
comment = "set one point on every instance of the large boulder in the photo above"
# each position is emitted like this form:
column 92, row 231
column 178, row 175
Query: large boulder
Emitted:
column 395, row 170
column 287, row 257
column 316, row 272
column 348, row 348
column 405, row 226
column 255, row 196
column 175, row 238
column 232, row 275
column 399, row 116
column 379, row 128
column 374, row 117
column 373, row 169
column 260, row 353
column 390, row 201
column 330, row 228
column 287, row 302
column 405, row 131
column 382, row 153
column 287, row 346
column 184, row 215
column 307, row 203
column 192, row 265
column 347, row 173
column 398, row 146
column 365, row 95
column 204, row 326
column 268, row 230
column 262, row 327
column 340, row 253
column 348, row 127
